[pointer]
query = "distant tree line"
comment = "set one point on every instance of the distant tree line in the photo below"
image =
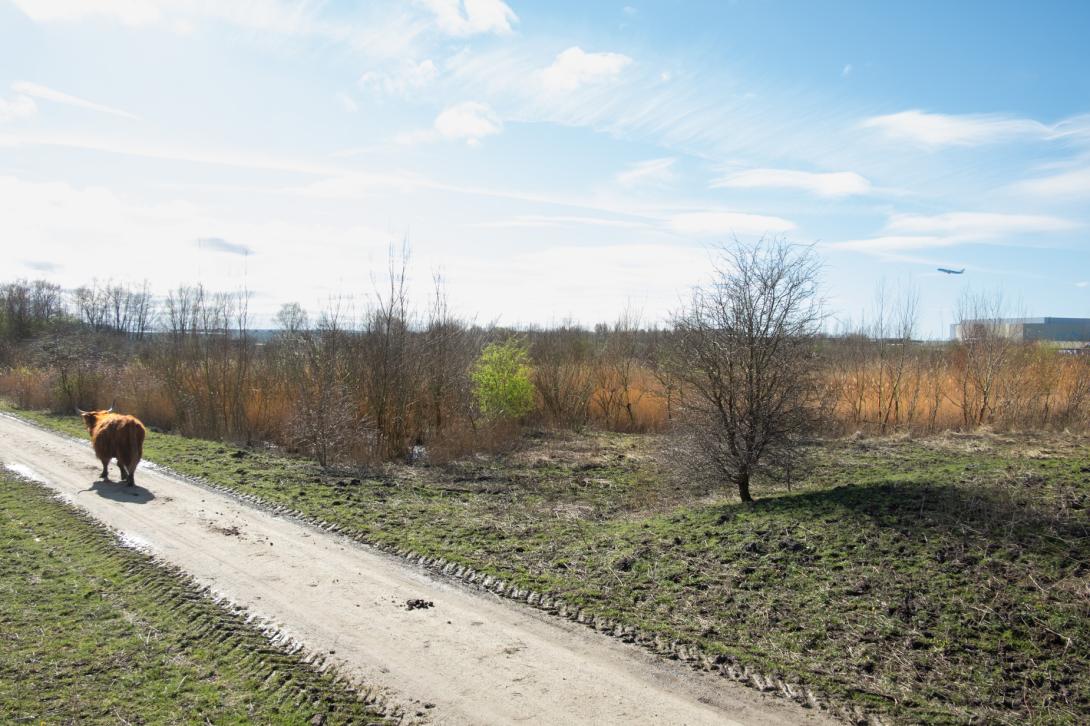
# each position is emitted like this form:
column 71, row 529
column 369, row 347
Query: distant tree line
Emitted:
column 741, row 374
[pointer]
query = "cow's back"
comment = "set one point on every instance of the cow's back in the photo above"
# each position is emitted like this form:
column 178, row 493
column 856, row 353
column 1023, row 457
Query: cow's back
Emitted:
column 119, row 436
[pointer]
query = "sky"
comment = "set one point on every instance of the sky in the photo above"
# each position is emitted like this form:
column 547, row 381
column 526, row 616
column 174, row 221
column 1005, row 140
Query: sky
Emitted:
column 549, row 160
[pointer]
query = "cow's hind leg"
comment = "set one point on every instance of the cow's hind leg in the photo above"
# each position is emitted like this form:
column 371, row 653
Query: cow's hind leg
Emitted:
column 126, row 468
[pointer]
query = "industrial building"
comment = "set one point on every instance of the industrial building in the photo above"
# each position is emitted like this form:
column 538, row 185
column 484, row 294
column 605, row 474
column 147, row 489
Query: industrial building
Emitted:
column 1065, row 330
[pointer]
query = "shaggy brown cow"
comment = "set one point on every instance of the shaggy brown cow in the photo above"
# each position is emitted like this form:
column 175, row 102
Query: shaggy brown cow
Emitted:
column 115, row 436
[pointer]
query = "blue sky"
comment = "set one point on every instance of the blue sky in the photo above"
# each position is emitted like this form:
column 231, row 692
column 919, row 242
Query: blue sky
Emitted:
column 550, row 159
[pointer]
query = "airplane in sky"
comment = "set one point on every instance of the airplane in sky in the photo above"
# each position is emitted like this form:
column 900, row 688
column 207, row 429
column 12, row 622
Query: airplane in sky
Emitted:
column 948, row 271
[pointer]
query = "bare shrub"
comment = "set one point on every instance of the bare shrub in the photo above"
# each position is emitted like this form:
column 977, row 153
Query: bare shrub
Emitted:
column 30, row 388
column 445, row 351
column 616, row 393
column 562, row 374
column 324, row 420
column 982, row 354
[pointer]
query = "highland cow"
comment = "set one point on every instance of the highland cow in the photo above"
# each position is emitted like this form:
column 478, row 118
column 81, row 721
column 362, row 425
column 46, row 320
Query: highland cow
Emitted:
column 116, row 436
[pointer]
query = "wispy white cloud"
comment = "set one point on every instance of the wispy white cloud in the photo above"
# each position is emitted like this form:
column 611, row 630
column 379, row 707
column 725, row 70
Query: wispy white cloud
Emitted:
column 220, row 157
column 1074, row 128
column 575, row 67
column 1083, row 283
column 354, row 185
column 978, row 225
column 892, row 243
column 831, row 184
column 334, row 180
column 541, row 220
column 401, row 78
column 846, row 70
column 1073, row 183
column 681, row 110
column 275, row 16
column 935, row 130
column 472, row 17
column 919, row 231
column 49, row 94
column 20, row 106
column 380, row 29
column 718, row 224
column 653, row 172
column 129, row 12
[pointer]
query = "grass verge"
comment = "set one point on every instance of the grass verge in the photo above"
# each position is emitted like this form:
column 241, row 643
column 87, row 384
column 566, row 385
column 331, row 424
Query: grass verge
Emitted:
column 91, row 632
column 945, row 580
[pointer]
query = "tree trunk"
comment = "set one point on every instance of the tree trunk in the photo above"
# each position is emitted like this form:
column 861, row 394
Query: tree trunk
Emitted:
column 742, row 480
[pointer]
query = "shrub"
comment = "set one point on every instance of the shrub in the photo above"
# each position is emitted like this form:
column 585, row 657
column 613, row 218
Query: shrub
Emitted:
column 501, row 380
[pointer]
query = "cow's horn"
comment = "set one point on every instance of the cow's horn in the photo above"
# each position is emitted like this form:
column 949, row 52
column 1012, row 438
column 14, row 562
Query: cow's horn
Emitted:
column 111, row 408
column 80, row 411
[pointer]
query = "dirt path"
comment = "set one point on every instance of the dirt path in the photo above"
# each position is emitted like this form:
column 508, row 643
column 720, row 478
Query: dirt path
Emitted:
column 471, row 658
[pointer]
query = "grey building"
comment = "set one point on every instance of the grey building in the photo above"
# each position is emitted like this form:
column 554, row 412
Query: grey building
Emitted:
column 1070, row 330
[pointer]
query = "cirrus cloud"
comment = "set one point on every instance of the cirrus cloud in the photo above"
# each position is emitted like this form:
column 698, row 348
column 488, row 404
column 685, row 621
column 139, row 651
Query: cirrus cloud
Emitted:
column 977, row 225
column 933, row 130
column 831, row 184
column 128, row 12
column 717, row 224
column 49, row 94
column 653, row 172
column 921, row 231
column 1074, row 183
column 401, row 79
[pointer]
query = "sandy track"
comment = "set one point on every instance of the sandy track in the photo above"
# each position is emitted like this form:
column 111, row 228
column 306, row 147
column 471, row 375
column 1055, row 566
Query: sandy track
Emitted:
column 472, row 658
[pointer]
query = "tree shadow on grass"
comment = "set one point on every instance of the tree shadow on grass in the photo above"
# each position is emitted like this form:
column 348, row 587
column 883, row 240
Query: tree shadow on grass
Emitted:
column 1002, row 513
column 120, row 492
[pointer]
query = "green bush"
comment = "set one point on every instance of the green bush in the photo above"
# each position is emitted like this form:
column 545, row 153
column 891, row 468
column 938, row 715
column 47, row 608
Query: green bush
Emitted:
column 501, row 380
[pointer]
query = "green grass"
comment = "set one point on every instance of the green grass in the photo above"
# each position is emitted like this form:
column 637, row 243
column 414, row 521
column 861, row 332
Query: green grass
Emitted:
column 91, row 632
column 944, row 580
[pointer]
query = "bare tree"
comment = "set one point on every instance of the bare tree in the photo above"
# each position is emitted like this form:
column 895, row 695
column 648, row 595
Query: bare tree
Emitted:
column 616, row 394
column 29, row 308
column 445, row 352
column 326, row 418
column 891, row 333
column 389, row 383
column 985, row 348
column 745, row 352
column 657, row 359
column 563, row 373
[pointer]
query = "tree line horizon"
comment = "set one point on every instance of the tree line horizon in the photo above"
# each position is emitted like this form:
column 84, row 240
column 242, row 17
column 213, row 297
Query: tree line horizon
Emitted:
column 371, row 383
